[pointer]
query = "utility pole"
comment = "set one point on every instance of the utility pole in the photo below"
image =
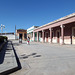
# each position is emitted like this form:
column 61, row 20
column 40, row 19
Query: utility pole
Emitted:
column 15, row 31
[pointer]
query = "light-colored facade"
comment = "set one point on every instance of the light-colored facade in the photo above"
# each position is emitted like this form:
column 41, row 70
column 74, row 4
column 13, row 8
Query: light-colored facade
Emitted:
column 61, row 31
column 9, row 35
column 30, row 33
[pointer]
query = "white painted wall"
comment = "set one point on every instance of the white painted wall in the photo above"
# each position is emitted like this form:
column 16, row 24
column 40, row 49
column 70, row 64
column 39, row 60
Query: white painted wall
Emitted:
column 41, row 40
column 54, row 40
column 67, row 41
column 60, row 41
column 45, row 39
column 49, row 39
column 10, row 36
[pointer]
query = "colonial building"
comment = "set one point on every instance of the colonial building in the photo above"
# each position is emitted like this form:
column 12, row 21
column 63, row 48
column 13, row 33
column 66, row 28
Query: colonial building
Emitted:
column 21, row 33
column 60, row 31
column 30, row 32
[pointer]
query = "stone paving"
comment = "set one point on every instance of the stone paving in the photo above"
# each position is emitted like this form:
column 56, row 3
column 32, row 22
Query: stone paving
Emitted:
column 8, row 60
column 45, row 59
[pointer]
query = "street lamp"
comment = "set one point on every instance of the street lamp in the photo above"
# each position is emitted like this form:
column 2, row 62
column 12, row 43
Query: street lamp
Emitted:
column 2, row 26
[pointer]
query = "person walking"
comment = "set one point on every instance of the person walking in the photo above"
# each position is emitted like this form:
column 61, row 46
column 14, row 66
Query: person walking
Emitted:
column 20, row 40
column 28, row 40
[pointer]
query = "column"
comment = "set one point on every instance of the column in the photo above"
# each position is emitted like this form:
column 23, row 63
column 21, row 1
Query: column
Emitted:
column 43, row 35
column 23, row 36
column 50, row 35
column 37, row 36
column 62, row 34
column 33, row 36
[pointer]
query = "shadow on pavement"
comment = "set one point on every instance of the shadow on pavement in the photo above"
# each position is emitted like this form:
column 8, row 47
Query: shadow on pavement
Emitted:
column 2, row 53
column 18, row 62
column 37, row 56
column 6, row 50
column 24, row 56
column 17, row 44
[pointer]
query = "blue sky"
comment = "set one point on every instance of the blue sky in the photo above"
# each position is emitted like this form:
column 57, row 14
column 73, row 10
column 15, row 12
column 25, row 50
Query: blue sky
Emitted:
column 26, row 13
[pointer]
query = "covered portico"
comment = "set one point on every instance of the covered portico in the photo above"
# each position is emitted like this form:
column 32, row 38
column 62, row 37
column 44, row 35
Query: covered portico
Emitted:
column 60, row 31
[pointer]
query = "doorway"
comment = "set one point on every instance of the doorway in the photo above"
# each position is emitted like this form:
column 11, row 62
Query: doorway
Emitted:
column 58, row 36
column 20, row 36
column 46, row 37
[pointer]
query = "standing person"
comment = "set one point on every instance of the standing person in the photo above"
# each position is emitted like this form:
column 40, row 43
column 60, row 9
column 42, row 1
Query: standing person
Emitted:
column 20, row 40
column 28, row 40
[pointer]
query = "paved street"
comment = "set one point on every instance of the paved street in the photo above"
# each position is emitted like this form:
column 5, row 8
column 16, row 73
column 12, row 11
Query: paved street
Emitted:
column 45, row 59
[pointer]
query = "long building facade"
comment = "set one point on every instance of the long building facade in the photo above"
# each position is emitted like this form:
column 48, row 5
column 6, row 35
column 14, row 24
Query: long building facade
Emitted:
column 60, row 31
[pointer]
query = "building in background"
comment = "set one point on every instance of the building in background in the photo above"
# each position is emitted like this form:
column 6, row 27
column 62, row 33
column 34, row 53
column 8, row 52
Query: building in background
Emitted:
column 30, row 32
column 60, row 31
column 9, row 35
column 21, row 33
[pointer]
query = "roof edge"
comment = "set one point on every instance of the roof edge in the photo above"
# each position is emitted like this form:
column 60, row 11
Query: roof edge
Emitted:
column 60, row 19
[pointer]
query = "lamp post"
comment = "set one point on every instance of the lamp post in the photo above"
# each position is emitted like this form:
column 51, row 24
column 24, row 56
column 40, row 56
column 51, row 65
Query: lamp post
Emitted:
column 2, row 26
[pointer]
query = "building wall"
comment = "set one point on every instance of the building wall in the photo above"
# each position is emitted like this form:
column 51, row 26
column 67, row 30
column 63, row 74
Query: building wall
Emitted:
column 10, row 37
column 68, row 37
column 31, row 36
column 68, row 33
column 63, row 30
column 30, row 33
column 23, row 34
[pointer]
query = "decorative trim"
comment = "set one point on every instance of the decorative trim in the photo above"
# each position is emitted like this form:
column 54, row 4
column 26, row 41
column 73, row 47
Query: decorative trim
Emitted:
column 62, row 26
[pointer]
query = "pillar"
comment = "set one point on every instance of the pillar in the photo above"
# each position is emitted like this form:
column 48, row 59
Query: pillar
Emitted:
column 50, row 35
column 43, row 35
column 33, row 36
column 37, row 36
column 62, row 34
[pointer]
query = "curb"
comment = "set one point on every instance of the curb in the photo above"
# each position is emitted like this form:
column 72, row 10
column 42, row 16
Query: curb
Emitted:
column 9, row 71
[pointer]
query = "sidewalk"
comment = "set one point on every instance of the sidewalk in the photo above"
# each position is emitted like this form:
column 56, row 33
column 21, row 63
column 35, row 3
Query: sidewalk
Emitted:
column 45, row 59
column 8, row 59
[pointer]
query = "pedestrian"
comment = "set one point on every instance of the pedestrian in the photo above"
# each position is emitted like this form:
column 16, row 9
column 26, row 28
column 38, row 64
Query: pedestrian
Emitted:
column 20, row 40
column 28, row 40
